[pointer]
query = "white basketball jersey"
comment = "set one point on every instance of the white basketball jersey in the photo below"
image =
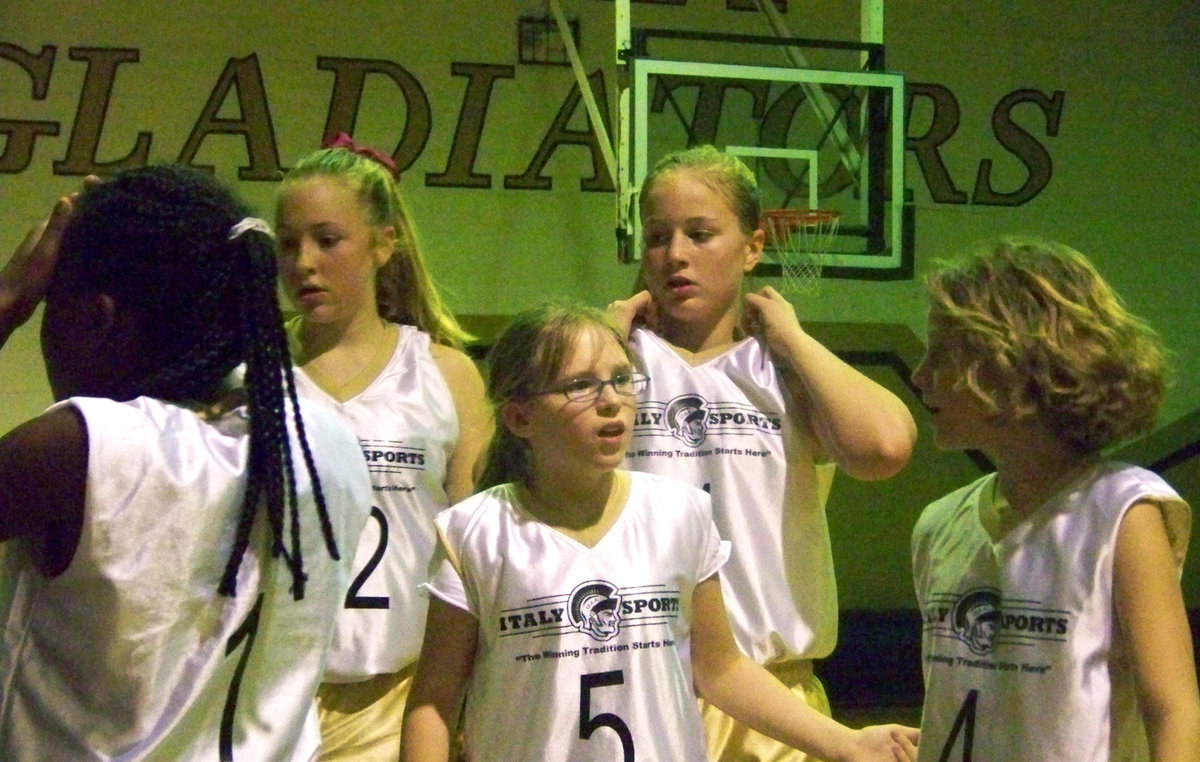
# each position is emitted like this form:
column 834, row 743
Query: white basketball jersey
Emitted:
column 131, row 653
column 728, row 427
column 407, row 427
column 1021, row 654
column 576, row 640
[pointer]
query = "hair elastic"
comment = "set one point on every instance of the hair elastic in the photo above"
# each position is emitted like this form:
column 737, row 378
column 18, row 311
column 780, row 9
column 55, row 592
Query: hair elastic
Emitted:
column 250, row 223
column 342, row 140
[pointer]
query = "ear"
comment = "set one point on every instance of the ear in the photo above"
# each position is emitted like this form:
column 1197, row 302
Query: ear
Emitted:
column 515, row 416
column 101, row 316
column 754, row 247
column 385, row 245
column 116, row 332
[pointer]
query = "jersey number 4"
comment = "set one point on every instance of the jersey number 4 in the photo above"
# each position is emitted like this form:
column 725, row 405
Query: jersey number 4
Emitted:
column 964, row 723
column 589, row 724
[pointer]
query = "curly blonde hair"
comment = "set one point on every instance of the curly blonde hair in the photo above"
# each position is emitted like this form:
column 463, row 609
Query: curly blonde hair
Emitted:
column 1041, row 334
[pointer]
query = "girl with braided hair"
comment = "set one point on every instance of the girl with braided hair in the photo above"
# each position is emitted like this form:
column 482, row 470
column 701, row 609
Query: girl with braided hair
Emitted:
column 174, row 522
column 375, row 345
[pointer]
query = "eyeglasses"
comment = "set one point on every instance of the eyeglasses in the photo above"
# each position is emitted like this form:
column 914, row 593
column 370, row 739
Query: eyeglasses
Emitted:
column 587, row 389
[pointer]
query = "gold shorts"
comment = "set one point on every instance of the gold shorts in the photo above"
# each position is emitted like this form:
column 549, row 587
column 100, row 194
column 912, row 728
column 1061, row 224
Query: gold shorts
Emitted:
column 360, row 722
column 730, row 741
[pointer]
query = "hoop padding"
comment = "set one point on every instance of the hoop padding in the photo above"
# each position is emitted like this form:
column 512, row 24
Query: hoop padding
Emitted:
column 800, row 237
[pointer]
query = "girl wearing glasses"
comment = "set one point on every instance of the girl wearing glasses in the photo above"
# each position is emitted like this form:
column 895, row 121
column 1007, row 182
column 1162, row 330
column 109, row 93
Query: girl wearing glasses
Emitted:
column 580, row 598
column 780, row 413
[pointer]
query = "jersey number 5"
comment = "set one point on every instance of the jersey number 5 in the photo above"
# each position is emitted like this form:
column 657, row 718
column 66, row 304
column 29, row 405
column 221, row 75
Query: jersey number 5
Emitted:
column 589, row 724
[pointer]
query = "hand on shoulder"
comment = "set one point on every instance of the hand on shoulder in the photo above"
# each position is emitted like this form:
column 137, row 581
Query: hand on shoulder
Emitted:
column 768, row 314
column 637, row 310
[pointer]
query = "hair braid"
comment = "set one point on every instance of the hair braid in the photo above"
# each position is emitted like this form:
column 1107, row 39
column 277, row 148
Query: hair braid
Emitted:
column 271, row 387
column 157, row 239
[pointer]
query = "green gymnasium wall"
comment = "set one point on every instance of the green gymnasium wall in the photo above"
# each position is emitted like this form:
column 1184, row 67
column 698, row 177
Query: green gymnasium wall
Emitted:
column 1101, row 103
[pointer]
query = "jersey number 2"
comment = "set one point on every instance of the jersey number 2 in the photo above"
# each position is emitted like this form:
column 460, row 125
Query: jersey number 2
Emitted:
column 589, row 724
column 353, row 599
column 965, row 723
column 245, row 631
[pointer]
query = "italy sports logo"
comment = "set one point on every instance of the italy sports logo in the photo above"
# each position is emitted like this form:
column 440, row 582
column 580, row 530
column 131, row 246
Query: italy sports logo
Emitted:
column 596, row 608
column 691, row 419
column 983, row 620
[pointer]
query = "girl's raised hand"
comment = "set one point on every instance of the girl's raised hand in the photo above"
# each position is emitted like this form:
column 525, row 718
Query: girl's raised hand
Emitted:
column 768, row 314
column 637, row 310
column 26, row 276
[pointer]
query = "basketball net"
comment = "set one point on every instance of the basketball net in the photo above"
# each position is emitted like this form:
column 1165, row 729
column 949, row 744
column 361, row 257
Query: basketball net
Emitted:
column 800, row 237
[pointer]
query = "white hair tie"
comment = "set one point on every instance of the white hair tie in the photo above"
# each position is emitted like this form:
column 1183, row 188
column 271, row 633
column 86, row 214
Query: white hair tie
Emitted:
column 250, row 223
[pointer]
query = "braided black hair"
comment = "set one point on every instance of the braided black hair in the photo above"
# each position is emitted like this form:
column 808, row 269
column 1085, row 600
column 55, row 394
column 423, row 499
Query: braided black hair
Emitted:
column 158, row 241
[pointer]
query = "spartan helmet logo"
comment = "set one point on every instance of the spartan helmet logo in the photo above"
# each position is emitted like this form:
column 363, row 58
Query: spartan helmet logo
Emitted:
column 687, row 416
column 977, row 619
column 595, row 608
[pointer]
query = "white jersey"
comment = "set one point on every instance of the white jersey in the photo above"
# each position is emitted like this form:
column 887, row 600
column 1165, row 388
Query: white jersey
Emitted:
column 131, row 653
column 728, row 426
column 1021, row 655
column 407, row 426
column 584, row 640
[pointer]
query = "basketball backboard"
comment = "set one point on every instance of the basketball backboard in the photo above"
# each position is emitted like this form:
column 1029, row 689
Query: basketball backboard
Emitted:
column 828, row 138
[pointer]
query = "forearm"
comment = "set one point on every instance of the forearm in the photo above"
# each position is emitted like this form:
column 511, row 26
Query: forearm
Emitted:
column 26, row 276
column 425, row 736
column 864, row 428
column 752, row 696
column 8, row 320
column 1174, row 735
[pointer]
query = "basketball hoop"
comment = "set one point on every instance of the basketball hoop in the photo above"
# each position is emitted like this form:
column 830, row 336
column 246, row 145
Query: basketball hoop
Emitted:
column 800, row 237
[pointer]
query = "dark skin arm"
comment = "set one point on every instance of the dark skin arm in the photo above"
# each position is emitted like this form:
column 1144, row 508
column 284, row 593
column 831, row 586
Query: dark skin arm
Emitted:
column 43, row 462
column 43, row 471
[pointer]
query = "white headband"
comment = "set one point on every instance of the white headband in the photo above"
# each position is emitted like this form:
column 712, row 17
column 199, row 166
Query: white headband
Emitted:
column 250, row 223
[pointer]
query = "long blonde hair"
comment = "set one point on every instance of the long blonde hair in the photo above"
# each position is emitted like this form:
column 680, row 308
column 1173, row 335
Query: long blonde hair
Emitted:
column 404, row 290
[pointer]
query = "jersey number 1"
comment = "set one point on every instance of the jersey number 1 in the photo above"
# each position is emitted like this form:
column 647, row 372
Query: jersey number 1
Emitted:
column 589, row 724
column 245, row 631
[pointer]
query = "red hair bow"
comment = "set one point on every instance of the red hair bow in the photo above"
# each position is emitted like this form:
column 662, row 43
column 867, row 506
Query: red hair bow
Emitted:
column 342, row 140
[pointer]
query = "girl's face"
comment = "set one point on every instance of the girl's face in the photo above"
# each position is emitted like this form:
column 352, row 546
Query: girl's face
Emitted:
column 695, row 253
column 960, row 419
column 585, row 437
column 329, row 251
